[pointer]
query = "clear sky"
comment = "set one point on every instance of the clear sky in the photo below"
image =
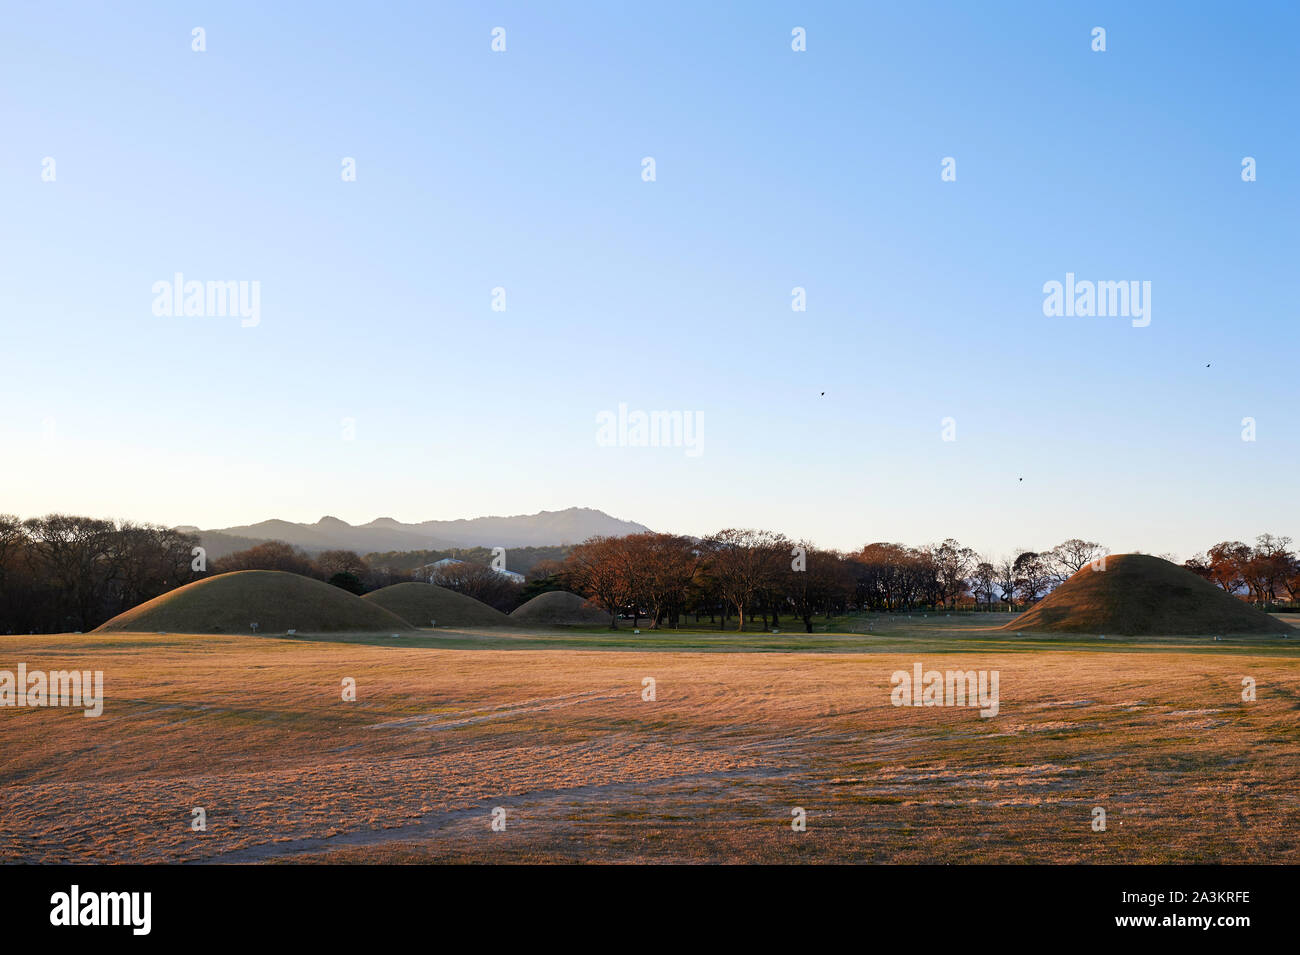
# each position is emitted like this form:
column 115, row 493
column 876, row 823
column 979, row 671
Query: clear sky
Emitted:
column 774, row 169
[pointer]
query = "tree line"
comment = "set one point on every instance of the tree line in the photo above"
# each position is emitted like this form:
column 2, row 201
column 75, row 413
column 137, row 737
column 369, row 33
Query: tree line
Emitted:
column 468, row 571
column 1266, row 570
column 747, row 575
column 63, row 573
column 68, row 573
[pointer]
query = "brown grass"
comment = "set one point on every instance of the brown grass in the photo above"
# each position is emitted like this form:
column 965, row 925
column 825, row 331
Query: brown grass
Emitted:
column 255, row 731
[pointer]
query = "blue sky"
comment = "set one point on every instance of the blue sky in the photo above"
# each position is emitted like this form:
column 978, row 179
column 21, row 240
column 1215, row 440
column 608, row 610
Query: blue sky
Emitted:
column 775, row 169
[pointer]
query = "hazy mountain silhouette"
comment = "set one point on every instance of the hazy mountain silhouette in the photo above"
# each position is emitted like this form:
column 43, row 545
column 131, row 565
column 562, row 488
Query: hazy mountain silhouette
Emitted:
column 570, row 526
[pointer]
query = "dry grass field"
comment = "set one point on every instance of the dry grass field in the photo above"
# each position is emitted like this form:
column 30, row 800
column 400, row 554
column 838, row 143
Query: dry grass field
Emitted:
column 448, row 726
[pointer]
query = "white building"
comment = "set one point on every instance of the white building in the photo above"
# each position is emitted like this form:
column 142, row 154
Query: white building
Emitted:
column 427, row 571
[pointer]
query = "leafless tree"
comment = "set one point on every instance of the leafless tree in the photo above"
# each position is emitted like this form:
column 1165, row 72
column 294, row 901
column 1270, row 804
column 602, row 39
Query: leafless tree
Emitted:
column 1032, row 577
column 984, row 576
column 594, row 569
column 480, row 582
column 1006, row 580
column 1069, row 557
column 742, row 562
column 331, row 562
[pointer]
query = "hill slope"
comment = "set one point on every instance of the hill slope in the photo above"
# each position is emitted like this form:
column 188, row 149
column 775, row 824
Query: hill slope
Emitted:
column 1142, row 595
column 420, row 603
column 559, row 608
column 276, row 601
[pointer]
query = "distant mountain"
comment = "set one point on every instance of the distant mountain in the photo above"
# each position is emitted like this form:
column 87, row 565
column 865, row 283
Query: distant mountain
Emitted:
column 571, row 526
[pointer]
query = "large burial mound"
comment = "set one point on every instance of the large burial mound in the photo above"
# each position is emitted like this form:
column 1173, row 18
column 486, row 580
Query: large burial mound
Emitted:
column 559, row 608
column 274, row 600
column 421, row 603
column 1138, row 595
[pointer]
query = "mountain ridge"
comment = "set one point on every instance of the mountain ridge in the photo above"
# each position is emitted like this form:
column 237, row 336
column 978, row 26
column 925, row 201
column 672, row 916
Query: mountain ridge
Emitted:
column 545, row 528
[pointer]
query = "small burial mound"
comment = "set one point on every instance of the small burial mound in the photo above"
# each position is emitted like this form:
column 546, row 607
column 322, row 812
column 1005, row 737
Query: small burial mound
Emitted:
column 559, row 608
column 421, row 603
column 1139, row 595
column 274, row 600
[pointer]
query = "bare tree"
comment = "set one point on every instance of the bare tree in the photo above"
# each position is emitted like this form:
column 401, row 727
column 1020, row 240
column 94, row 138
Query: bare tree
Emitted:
column 1006, row 580
column 952, row 565
column 271, row 555
column 984, row 576
column 480, row 582
column 667, row 565
column 331, row 562
column 13, row 539
column 1227, row 561
column 1268, row 566
column 75, row 551
column 1069, row 557
column 594, row 569
column 743, row 562
column 815, row 584
column 149, row 560
column 1032, row 578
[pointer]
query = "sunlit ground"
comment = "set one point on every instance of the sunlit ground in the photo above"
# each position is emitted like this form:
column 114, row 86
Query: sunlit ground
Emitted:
column 552, row 728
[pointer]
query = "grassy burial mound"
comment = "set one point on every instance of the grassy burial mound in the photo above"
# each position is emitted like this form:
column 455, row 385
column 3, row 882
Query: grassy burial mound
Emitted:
column 559, row 608
column 1142, row 595
column 274, row 600
column 420, row 603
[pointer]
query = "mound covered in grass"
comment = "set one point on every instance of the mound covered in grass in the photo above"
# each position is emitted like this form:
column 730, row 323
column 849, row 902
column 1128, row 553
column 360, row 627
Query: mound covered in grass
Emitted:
column 559, row 608
column 274, row 600
column 1139, row 595
column 421, row 603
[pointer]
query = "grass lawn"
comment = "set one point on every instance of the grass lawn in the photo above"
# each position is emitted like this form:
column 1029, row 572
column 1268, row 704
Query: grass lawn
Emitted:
column 553, row 728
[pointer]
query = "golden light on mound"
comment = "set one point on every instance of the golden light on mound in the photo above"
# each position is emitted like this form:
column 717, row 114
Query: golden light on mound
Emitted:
column 420, row 604
column 559, row 608
column 1137, row 595
column 268, row 602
